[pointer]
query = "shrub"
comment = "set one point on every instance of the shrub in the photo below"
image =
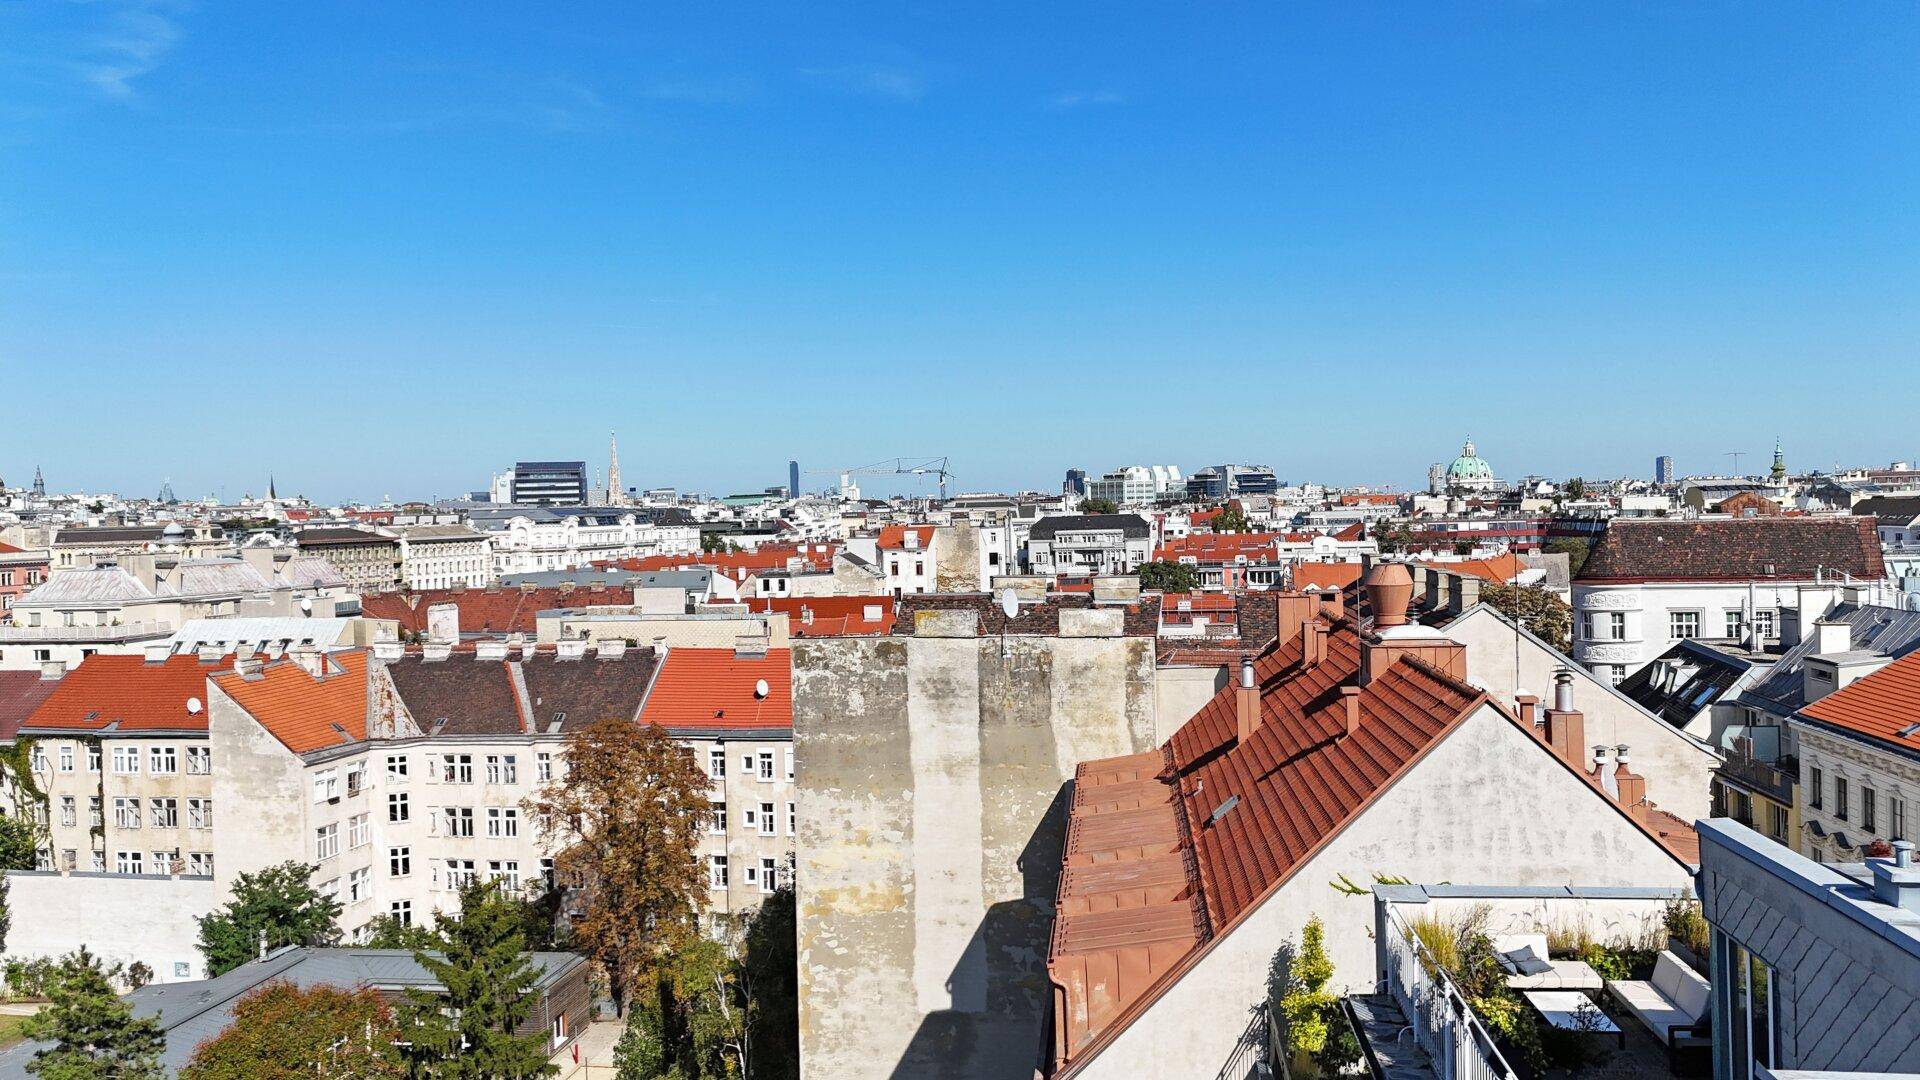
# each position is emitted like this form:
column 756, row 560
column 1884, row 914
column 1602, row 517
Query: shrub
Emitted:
column 1686, row 924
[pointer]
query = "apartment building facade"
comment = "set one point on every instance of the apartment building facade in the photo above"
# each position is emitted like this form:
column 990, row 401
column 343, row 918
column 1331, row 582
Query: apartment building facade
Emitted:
column 1859, row 756
column 445, row 556
column 368, row 560
column 1085, row 545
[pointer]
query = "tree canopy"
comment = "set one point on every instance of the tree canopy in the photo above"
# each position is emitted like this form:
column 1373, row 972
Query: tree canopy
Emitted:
column 1545, row 615
column 1231, row 519
column 95, row 1035
column 285, row 1032
column 1169, row 577
column 19, row 843
column 468, row 1031
column 279, row 902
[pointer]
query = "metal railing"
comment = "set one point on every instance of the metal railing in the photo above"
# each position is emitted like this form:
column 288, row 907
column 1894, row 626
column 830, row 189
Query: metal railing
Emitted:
column 1443, row 1024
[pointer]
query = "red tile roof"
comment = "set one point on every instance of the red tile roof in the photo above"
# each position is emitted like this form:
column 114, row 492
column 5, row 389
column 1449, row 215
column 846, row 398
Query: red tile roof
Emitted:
column 495, row 610
column 304, row 713
column 1220, row 547
column 714, row 690
column 127, row 694
column 1352, row 532
column 1318, row 575
column 831, row 616
column 21, row 692
column 1880, row 706
column 1499, row 570
column 895, row 536
column 1735, row 549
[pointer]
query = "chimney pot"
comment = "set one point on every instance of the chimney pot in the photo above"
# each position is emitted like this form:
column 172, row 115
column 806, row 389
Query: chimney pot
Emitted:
column 1563, row 689
column 1246, row 671
column 1246, row 700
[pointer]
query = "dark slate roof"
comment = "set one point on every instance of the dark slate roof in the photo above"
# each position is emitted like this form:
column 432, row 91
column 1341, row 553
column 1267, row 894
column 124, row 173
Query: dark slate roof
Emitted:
column 1888, row 631
column 1683, row 680
column 1736, row 549
column 1891, row 510
column 479, row 697
column 108, row 534
column 316, row 537
column 1133, row 526
column 1141, row 619
column 567, row 695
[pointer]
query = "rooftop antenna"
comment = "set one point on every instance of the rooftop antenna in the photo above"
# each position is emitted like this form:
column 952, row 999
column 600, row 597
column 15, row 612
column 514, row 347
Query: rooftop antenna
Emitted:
column 1736, row 455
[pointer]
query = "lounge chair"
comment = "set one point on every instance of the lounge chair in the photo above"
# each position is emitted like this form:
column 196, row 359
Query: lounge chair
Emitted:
column 1673, row 1004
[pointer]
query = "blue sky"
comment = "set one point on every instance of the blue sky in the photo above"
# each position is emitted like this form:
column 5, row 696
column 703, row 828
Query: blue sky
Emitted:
column 388, row 248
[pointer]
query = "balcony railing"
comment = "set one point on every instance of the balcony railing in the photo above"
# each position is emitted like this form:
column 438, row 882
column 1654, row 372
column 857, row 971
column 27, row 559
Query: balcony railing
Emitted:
column 20, row 635
column 1443, row 1024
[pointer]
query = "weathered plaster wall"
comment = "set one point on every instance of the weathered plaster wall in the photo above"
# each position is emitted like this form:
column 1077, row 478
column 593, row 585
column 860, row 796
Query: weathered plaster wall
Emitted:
column 957, row 559
column 931, row 776
column 1487, row 806
column 1679, row 769
column 260, row 795
column 119, row 918
column 1180, row 691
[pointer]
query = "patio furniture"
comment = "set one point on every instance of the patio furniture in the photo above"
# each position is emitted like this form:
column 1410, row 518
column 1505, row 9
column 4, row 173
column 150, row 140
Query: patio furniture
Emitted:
column 1571, row 1010
column 1560, row 974
column 1673, row 1004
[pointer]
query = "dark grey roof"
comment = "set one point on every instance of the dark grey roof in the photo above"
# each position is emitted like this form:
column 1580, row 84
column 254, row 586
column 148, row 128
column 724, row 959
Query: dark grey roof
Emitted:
column 192, row 1012
column 1683, row 680
column 312, row 537
column 693, row 578
column 1897, row 511
column 1133, row 526
column 108, row 534
column 1888, row 631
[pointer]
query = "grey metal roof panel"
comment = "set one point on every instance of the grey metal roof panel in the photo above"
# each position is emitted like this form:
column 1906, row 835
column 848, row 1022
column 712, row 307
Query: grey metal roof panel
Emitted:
column 1889, row 631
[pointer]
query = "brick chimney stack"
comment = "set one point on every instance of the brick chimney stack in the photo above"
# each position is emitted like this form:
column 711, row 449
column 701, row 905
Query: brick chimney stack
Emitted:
column 1566, row 725
column 1350, row 701
column 1528, row 705
column 1631, row 787
column 1315, row 643
column 1246, row 699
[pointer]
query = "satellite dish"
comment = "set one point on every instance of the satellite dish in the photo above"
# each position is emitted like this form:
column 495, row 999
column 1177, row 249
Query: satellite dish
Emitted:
column 1009, row 603
column 193, row 706
column 760, row 688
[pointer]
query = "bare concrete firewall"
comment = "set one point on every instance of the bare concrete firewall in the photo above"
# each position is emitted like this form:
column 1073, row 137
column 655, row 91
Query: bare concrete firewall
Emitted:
column 932, row 771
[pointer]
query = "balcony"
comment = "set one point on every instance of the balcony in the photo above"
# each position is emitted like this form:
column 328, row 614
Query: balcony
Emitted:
column 83, row 635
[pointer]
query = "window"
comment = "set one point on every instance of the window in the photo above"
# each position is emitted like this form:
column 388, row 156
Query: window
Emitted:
column 788, row 755
column 752, row 874
column 126, row 812
column 1816, row 788
column 717, row 764
column 358, row 834
column 1764, row 625
column 402, row 912
column 126, row 760
column 326, row 842
column 66, row 757
column 127, row 862
column 460, row 873
column 93, row 757
column 70, row 859
column 43, row 858
column 717, row 823
column 767, row 820
column 37, row 760
column 399, row 861
column 746, row 764
column 769, row 875
column 200, row 863
column 94, row 817
column 329, row 888
column 459, row 820
column 506, row 872
column 766, row 765
column 1868, row 808
column 1736, row 624
column 1748, row 1010
column 716, row 871
column 69, row 810
column 503, row 821
column 1683, row 624
column 165, row 813
column 199, row 813
column 356, row 780
column 359, row 885
column 397, row 809
column 99, row 862
column 502, row 769
column 326, row 786
column 1896, row 817
column 199, row 760
column 793, row 821
column 162, row 760
column 750, row 818
column 457, row 769
column 543, row 766
column 396, row 768
column 1840, row 803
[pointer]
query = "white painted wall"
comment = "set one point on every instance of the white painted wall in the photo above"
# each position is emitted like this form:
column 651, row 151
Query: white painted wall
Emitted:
column 120, row 918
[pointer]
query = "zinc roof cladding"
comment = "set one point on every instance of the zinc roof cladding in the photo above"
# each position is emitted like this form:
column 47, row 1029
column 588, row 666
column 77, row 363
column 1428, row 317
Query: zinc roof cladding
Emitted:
column 1132, row 526
column 1300, row 778
column 1880, row 706
column 1888, row 631
column 1735, row 549
column 208, row 577
column 104, row 584
column 128, row 693
column 714, row 690
column 304, row 713
column 21, row 692
column 310, row 572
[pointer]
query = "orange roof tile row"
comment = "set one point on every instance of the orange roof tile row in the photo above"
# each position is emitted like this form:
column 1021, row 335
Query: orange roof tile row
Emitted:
column 895, row 536
column 829, row 616
column 1880, row 706
column 1339, row 575
column 715, row 689
column 1500, row 569
column 127, row 693
column 306, row 714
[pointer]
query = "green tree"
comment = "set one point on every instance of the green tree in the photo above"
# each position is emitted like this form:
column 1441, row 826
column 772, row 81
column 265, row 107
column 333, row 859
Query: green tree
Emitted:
column 770, row 977
column 1315, row 1027
column 1169, row 577
column 1231, row 519
column 388, row 932
column 285, row 1032
column 1575, row 549
column 19, row 843
column 1575, row 488
column 280, row 903
column 1544, row 615
column 6, row 912
column 467, row 1031
column 1099, row 506
column 95, row 1035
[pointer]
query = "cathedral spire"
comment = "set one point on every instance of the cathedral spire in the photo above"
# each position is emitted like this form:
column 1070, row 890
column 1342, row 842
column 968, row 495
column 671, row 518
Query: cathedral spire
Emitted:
column 1778, row 474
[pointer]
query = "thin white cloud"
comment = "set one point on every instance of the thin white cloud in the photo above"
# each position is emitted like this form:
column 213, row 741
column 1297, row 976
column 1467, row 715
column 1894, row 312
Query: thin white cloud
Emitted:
column 704, row 90
column 886, row 82
column 131, row 45
column 1080, row 99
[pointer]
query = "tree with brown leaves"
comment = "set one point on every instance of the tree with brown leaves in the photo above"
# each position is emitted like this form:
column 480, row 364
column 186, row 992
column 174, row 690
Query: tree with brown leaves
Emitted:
column 285, row 1032
column 625, row 819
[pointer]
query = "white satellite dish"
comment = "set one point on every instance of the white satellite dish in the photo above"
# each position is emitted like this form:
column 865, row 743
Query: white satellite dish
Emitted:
column 760, row 688
column 193, row 706
column 1009, row 603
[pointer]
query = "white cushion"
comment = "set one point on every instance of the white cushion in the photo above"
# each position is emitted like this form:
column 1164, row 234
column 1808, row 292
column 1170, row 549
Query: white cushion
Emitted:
column 1683, row 988
column 1566, row 975
column 1649, row 1006
column 1515, row 941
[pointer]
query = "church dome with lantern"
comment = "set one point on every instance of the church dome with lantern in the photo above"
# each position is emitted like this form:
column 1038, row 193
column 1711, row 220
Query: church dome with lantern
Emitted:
column 1470, row 471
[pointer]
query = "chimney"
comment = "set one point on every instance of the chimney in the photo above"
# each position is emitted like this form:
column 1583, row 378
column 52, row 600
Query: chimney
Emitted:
column 610, row 648
column 1389, row 588
column 209, row 653
column 570, row 649
column 1566, row 725
column 436, row 651
column 248, row 667
column 1350, row 703
column 1292, row 612
column 1830, row 636
column 1246, row 700
column 1629, row 788
column 1896, row 881
column 310, row 659
column 1529, row 708
column 1466, row 594
column 443, row 623
column 1314, row 645
column 388, row 650
column 51, row 670
column 158, row 651
column 490, row 650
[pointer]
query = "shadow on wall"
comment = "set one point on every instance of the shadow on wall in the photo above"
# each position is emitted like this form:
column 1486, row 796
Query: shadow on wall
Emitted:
column 1008, row 953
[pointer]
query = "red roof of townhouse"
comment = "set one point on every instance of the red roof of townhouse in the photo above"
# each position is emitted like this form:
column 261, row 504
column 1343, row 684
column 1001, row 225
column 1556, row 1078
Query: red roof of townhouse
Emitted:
column 1735, row 549
column 1337, row 575
column 1885, row 705
column 495, row 610
column 305, row 713
column 829, row 616
column 895, row 536
column 718, row 690
column 1499, row 570
column 128, row 694
column 9, row 549
column 1219, row 547
column 21, row 692
column 737, row 564
column 1352, row 532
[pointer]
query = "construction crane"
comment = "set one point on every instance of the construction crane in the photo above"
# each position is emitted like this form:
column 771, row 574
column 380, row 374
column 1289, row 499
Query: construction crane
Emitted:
column 900, row 466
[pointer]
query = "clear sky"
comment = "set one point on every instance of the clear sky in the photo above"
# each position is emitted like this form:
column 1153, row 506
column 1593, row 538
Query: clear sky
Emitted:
column 388, row 248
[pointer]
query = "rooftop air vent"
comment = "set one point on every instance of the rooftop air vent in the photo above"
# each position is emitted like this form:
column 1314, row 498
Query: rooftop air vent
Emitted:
column 1223, row 809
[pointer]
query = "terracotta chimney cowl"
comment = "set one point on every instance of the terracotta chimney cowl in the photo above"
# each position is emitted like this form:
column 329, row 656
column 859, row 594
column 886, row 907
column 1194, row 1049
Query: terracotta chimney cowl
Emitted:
column 1389, row 590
